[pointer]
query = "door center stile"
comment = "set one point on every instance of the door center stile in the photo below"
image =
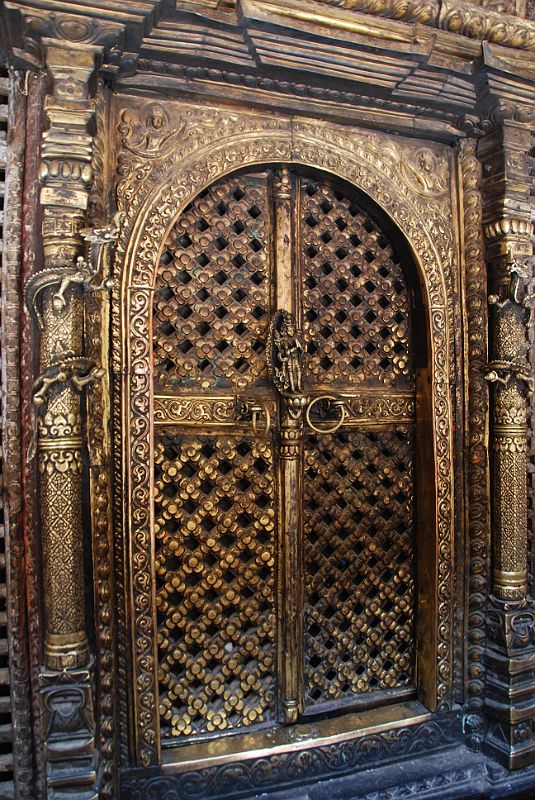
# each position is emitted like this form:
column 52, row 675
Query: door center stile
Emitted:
column 291, row 447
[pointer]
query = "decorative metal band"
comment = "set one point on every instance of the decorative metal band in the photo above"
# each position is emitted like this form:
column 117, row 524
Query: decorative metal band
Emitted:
column 511, row 579
column 509, row 430
column 361, row 409
column 192, row 410
column 74, row 443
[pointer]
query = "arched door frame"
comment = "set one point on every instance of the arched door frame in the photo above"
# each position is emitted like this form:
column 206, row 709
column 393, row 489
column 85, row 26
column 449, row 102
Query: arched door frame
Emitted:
column 145, row 227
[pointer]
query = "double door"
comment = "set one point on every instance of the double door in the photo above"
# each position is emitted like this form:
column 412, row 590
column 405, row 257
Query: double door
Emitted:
column 284, row 458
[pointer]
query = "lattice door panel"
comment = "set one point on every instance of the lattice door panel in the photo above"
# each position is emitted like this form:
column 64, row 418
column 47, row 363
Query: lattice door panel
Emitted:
column 355, row 299
column 237, row 546
column 359, row 563
column 215, row 550
column 213, row 287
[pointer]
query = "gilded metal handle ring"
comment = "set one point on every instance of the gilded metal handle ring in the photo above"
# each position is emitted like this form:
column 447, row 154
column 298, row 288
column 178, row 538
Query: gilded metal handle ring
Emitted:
column 332, row 401
column 256, row 411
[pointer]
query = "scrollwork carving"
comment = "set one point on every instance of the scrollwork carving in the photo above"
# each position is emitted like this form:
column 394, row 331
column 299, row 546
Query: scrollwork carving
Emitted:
column 194, row 409
column 467, row 19
column 152, row 191
column 279, row 770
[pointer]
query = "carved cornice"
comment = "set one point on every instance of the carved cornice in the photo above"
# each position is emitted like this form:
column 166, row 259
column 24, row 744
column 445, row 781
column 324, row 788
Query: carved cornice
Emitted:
column 29, row 27
column 471, row 21
column 116, row 31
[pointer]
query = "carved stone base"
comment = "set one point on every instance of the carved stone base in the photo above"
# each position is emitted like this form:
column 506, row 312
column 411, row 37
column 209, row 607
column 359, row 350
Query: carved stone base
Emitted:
column 510, row 686
column 69, row 734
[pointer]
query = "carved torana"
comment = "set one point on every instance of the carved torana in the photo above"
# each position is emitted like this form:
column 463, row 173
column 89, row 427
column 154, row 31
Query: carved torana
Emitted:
column 266, row 514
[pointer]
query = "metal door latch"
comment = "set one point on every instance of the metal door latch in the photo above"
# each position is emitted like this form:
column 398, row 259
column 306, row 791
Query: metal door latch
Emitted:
column 258, row 410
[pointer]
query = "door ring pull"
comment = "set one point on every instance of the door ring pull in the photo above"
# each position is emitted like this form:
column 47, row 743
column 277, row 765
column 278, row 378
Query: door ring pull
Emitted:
column 257, row 411
column 332, row 401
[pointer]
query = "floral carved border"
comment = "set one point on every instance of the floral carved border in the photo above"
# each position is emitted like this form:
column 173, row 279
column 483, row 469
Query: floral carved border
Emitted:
column 162, row 167
column 478, row 511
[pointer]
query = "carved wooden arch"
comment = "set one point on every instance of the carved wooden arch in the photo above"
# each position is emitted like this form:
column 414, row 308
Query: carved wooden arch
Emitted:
column 149, row 215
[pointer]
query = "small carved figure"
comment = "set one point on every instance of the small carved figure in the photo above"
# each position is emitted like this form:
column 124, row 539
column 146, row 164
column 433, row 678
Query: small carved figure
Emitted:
column 285, row 353
column 81, row 273
column 425, row 172
column 79, row 371
column 155, row 140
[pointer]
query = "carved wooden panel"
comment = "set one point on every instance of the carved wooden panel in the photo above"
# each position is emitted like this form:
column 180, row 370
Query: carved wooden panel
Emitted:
column 212, row 301
column 355, row 300
column 215, row 551
column 359, row 563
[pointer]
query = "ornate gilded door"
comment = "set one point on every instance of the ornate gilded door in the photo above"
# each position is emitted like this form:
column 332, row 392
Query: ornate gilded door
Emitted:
column 284, row 458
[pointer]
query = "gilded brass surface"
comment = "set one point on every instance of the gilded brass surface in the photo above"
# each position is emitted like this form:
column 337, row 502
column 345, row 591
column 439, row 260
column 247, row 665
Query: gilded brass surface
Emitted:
column 54, row 297
column 388, row 720
column 211, row 320
column 510, row 614
column 323, row 610
column 215, row 575
column 359, row 563
column 354, row 383
column 209, row 142
column 355, row 318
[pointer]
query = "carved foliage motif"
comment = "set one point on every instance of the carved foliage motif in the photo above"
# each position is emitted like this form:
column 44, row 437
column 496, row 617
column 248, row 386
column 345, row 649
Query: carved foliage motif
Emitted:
column 283, row 768
column 483, row 23
column 194, row 409
column 99, row 446
column 152, row 191
column 478, row 521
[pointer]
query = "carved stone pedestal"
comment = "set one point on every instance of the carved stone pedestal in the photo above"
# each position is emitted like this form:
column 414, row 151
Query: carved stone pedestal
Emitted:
column 68, row 726
column 510, row 699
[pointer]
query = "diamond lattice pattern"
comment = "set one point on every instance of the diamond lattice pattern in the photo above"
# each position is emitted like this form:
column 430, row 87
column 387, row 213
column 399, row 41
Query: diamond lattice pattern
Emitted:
column 355, row 301
column 359, row 563
column 212, row 299
column 215, row 535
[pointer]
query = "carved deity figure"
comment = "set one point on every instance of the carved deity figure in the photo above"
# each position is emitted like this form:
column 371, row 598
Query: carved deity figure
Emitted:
column 153, row 139
column 289, row 351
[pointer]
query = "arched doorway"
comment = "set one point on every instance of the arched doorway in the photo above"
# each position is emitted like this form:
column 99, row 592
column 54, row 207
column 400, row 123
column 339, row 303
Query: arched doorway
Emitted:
column 289, row 344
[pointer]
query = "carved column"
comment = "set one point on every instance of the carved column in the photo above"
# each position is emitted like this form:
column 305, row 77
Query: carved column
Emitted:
column 510, row 658
column 55, row 297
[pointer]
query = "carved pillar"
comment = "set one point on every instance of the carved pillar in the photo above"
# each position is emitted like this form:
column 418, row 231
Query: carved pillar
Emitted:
column 55, row 297
column 510, row 658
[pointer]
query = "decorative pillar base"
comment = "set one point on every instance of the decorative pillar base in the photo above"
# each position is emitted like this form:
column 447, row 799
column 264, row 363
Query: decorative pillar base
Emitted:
column 510, row 685
column 69, row 732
